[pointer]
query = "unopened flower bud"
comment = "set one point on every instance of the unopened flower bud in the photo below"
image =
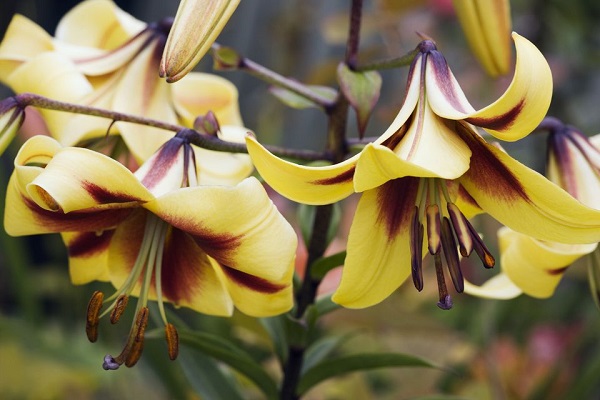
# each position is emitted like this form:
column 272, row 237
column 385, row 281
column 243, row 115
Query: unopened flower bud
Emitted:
column 197, row 25
column 12, row 115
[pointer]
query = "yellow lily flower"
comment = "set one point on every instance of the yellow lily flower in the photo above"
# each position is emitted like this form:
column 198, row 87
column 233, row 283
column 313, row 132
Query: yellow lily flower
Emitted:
column 197, row 24
column 160, row 233
column 535, row 267
column 101, row 56
column 487, row 25
column 428, row 169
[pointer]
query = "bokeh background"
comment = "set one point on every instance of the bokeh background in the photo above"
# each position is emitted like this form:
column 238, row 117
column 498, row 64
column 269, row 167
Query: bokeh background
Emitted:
column 519, row 349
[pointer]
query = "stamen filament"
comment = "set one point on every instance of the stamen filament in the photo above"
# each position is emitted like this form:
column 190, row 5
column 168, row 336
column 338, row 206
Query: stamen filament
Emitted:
column 158, row 275
column 451, row 255
column 416, row 250
column 445, row 302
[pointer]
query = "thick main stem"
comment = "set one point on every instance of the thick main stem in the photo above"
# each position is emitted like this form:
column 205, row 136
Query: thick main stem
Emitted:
column 337, row 147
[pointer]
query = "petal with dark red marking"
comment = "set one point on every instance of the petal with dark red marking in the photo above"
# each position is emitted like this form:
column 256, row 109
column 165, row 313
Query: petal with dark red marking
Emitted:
column 516, row 113
column 80, row 179
column 379, row 255
column 308, row 185
column 88, row 255
column 537, row 267
column 524, row 200
column 238, row 226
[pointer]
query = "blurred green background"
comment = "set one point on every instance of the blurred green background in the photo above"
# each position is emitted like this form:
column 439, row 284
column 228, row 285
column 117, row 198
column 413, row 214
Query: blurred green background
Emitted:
column 519, row 349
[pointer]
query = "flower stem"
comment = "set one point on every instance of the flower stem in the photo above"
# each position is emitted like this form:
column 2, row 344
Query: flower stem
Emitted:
column 276, row 79
column 30, row 99
column 198, row 139
column 337, row 146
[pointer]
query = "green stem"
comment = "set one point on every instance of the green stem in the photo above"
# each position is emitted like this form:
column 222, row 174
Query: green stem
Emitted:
column 338, row 148
column 276, row 79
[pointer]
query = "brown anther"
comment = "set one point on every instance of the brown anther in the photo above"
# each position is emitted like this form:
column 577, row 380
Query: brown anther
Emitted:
column 172, row 341
column 416, row 250
column 461, row 227
column 451, row 255
column 117, row 311
column 433, row 228
column 482, row 251
column 136, row 339
column 93, row 316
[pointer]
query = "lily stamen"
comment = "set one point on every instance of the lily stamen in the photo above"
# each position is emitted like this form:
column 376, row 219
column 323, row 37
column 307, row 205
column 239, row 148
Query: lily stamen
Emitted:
column 93, row 318
column 416, row 250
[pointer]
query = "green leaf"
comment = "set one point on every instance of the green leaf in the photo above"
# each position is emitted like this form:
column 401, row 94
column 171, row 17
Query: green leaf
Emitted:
column 362, row 90
column 325, row 264
column 276, row 328
column 324, row 305
column 232, row 355
column 322, row 348
column 593, row 261
column 440, row 397
column 295, row 100
column 356, row 362
column 306, row 218
column 226, row 59
column 206, row 378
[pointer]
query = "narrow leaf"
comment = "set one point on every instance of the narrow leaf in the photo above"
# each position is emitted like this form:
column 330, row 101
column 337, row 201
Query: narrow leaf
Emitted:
column 276, row 328
column 362, row 91
column 356, row 362
column 325, row 264
column 206, row 378
column 294, row 100
column 230, row 354
column 593, row 260
column 321, row 349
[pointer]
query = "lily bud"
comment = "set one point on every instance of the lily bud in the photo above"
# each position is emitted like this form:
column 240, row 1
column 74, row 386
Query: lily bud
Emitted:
column 487, row 26
column 197, row 24
column 12, row 115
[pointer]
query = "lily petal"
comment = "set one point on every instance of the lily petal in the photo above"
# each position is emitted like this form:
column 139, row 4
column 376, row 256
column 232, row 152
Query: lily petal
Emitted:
column 411, row 98
column 111, row 27
column 88, row 255
column 27, row 218
column 143, row 141
column 53, row 76
column 516, row 113
column 524, row 200
column 308, row 185
column 219, row 168
column 256, row 297
column 378, row 258
column 497, row 287
column 200, row 93
column 378, row 164
column 431, row 143
column 537, row 267
column 23, row 40
column 79, row 179
column 188, row 277
column 238, row 226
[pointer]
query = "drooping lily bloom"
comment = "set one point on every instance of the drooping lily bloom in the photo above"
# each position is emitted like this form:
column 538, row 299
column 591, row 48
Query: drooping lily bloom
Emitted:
column 535, row 267
column 160, row 233
column 101, row 56
column 197, row 24
column 487, row 25
column 429, row 169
